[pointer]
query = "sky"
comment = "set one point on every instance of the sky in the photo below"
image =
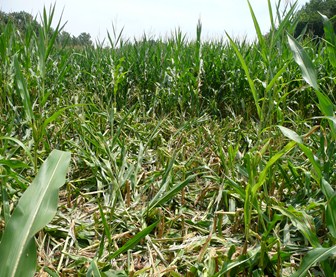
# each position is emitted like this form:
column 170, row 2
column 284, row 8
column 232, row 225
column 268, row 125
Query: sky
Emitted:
column 155, row 18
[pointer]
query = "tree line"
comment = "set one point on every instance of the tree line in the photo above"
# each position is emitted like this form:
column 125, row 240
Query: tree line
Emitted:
column 23, row 20
column 309, row 19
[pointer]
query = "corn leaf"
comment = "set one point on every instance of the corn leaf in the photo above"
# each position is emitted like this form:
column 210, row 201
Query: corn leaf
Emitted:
column 304, row 62
column 309, row 74
column 261, row 37
column 271, row 162
column 134, row 241
column 21, row 85
column 290, row 134
column 317, row 255
column 166, row 196
column 331, row 206
column 248, row 76
column 330, row 38
column 35, row 209
column 303, row 222
column 93, row 269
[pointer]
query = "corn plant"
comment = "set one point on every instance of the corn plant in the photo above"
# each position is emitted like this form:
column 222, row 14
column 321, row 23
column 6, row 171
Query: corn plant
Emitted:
column 36, row 208
column 320, row 174
column 185, row 158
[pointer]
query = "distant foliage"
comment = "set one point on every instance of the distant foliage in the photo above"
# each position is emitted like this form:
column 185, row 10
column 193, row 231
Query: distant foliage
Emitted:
column 84, row 39
column 20, row 19
column 25, row 22
column 311, row 20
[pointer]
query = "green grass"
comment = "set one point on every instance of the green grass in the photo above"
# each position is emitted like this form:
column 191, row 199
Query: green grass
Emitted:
column 188, row 158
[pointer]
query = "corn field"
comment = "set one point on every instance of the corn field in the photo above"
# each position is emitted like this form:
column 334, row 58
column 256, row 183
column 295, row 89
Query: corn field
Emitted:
column 174, row 157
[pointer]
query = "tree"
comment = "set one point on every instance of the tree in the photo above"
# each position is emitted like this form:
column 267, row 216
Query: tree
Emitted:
column 310, row 18
column 25, row 22
column 3, row 18
column 22, row 20
column 64, row 38
column 84, row 39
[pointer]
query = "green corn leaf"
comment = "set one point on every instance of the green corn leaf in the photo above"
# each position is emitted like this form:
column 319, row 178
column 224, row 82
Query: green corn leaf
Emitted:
column 243, row 261
column 290, row 134
column 325, row 104
column 134, row 241
column 19, row 143
column 52, row 273
column 165, row 180
column 236, row 187
column 105, row 224
column 13, row 163
column 331, row 215
column 331, row 118
column 231, row 265
column 56, row 114
column 286, row 22
column 166, row 196
column 272, row 161
column 35, row 209
column 331, row 206
column 303, row 222
column 312, row 158
column 93, row 269
column 330, row 38
column 248, row 76
column 304, row 62
column 23, row 90
column 270, row 85
column 270, row 12
column 309, row 74
column 261, row 37
column 325, row 186
column 317, row 255
column 332, row 123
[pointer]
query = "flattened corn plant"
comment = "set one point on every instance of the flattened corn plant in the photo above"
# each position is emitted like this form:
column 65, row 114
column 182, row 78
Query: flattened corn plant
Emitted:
column 188, row 158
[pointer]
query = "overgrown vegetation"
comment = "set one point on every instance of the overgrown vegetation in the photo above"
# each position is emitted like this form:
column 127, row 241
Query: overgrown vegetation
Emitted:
column 310, row 20
column 25, row 22
column 189, row 158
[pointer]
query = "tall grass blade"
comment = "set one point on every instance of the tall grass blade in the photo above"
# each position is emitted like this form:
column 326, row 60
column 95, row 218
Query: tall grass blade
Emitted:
column 168, row 195
column 286, row 23
column 105, row 224
column 271, row 162
column 325, row 104
column 35, row 209
column 313, row 160
column 19, row 143
column 270, row 12
column 164, row 182
column 23, row 90
column 93, row 269
column 331, row 206
column 309, row 74
column 330, row 38
column 117, row 37
column 261, row 37
column 134, row 241
column 241, row 261
column 302, row 221
column 248, row 76
column 315, row 256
